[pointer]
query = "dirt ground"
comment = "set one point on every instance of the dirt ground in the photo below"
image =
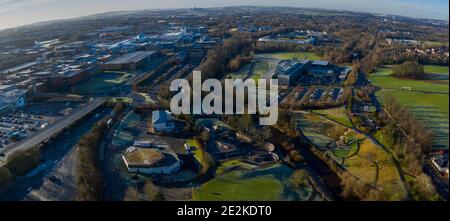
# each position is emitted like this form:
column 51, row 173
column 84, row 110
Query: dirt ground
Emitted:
column 64, row 187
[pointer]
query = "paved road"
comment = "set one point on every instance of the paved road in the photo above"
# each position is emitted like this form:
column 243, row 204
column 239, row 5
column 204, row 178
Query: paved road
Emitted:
column 56, row 127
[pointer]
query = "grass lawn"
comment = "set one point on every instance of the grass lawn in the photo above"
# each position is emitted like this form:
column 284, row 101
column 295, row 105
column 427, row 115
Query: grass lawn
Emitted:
column 260, row 69
column 429, row 103
column 379, row 137
column 435, row 72
column 383, row 71
column 245, row 185
column 431, row 109
column 241, row 73
column 289, row 55
column 314, row 123
column 123, row 100
column 103, row 83
column 344, row 153
column 435, row 69
column 373, row 165
column 224, row 166
column 318, row 139
column 434, row 43
column 122, row 77
column 337, row 114
column 198, row 152
column 123, row 135
column 391, row 82
column 363, row 163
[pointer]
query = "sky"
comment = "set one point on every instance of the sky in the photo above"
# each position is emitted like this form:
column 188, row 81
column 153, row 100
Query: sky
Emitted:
column 20, row 12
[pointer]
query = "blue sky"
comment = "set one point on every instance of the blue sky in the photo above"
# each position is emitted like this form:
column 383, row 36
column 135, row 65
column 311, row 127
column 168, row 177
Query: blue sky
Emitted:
column 20, row 12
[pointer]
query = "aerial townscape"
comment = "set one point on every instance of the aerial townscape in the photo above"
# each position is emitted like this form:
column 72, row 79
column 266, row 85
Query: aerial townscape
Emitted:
column 363, row 107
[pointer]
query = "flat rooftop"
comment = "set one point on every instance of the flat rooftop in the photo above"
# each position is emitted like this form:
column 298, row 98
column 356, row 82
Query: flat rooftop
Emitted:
column 131, row 57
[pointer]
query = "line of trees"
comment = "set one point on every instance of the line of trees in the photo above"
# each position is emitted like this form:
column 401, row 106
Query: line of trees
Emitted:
column 352, row 77
column 150, row 192
column 217, row 62
column 88, row 176
column 239, row 61
column 270, row 47
column 410, row 141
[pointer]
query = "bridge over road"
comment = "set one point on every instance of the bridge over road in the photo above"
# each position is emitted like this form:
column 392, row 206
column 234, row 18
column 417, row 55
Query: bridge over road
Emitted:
column 54, row 129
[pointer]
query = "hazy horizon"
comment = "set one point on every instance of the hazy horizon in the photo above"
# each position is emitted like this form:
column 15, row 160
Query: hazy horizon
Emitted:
column 15, row 13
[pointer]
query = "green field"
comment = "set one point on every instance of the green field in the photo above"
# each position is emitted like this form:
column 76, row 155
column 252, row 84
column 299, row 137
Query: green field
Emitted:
column 382, row 72
column 320, row 140
column 260, row 69
column 103, row 83
column 351, row 148
column 434, row 43
column 346, row 152
column 243, row 184
column 431, row 69
column 289, row 55
column 435, row 69
column 430, row 108
column 124, row 135
column 369, row 162
column 428, row 99
column 391, row 82
column 337, row 114
column 198, row 152
column 122, row 100
column 434, row 72
column 242, row 73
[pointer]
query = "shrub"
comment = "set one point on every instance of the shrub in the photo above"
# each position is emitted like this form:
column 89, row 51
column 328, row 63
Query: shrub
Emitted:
column 5, row 176
column 22, row 162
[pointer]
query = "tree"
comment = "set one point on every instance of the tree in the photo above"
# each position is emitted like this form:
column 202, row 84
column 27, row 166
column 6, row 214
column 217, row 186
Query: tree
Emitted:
column 266, row 134
column 352, row 77
column 425, row 188
column 284, row 118
column 247, row 121
column 409, row 70
column 295, row 156
column 298, row 178
column 131, row 194
column 152, row 192
column 88, row 174
column 164, row 92
column 119, row 107
column 208, row 163
column 5, row 176
column 204, row 136
column 21, row 162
